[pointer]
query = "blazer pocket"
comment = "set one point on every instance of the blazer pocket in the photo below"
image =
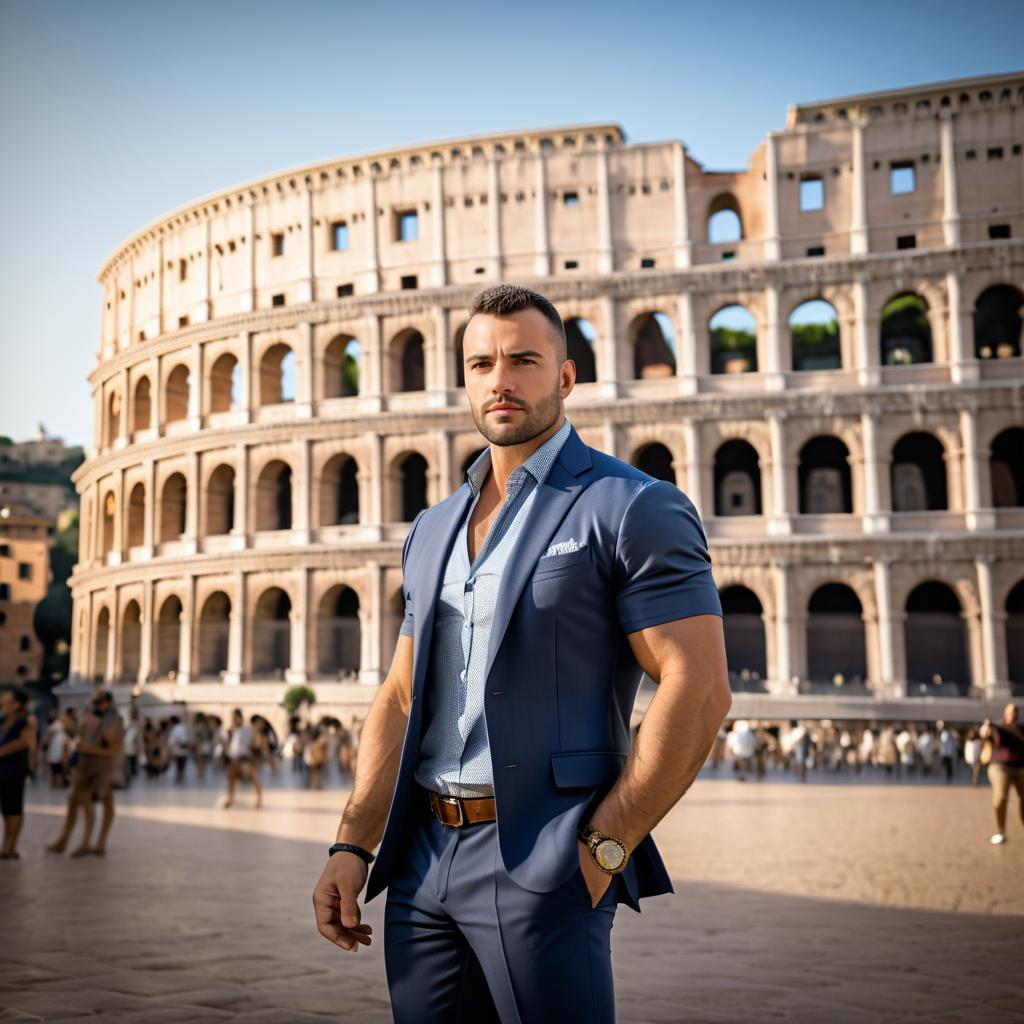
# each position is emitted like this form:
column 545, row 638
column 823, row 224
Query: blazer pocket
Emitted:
column 555, row 563
column 586, row 768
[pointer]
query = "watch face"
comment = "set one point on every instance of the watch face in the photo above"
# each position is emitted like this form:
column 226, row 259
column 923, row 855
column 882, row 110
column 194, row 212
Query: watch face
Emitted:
column 609, row 854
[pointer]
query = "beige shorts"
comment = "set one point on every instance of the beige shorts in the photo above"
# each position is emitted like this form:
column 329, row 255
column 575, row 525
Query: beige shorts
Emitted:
column 1002, row 777
column 94, row 774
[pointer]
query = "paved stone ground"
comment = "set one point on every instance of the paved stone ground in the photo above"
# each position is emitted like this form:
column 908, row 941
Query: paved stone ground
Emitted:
column 824, row 903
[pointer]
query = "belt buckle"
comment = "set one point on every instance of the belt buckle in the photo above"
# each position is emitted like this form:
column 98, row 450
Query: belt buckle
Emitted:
column 454, row 801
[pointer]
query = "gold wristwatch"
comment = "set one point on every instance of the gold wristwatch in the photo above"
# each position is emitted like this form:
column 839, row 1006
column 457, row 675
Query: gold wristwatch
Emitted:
column 607, row 852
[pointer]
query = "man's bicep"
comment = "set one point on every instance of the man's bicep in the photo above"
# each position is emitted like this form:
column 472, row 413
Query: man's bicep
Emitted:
column 690, row 649
column 399, row 677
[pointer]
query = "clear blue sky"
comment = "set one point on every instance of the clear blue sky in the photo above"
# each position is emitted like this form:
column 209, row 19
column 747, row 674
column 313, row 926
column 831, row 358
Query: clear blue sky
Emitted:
column 113, row 113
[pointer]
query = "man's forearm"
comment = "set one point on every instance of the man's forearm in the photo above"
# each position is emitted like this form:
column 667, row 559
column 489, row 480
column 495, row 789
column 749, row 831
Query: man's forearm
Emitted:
column 380, row 750
column 673, row 742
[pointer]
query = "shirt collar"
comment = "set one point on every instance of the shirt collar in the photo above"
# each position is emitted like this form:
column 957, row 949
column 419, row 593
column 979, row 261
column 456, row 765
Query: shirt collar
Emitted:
column 538, row 465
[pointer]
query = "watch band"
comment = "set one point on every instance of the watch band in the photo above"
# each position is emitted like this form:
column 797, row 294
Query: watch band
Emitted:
column 350, row 848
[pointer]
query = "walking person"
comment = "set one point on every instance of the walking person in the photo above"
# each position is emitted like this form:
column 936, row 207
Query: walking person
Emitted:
column 57, row 744
column 132, row 746
column 495, row 760
column 1006, row 767
column 948, row 748
column 16, row 742
column 972, row 755
column 243, row 753
column 202, row 743
column 179, row 742
column 99, row 751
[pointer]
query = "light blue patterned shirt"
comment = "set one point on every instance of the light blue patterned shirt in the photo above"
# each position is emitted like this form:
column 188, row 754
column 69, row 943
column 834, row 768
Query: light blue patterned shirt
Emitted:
column 454, row 756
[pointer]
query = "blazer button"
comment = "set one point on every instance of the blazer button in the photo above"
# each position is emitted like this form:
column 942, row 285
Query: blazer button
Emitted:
column 511, row 766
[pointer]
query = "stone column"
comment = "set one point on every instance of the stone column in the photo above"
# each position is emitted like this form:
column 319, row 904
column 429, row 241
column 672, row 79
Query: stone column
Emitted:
column 240, row 527
column 376, row 482
column 494, row 217
column 962, row 367
column 890, row 647
column 688, row 350
column 993, row 635
column 950, row 201
column 236, row 632
column 976, row 517
column 110, row 672
column 774, row 365
column 605, row 251
column 247, row 300
column 371, row 277
column 606, row 350
column 542, row 262
column 303, row 493
column 874, row 520
column 780, row 679
column 159, row 398
column 865, row 331
column 858, row 206
column 305, row 367
column 779, row 522
column 146, row 633
column 304, row 288
column 772, row 244
column 373, row 360
column 245, row 375
column 120, row 520
column 683, row 245
column 437, row 380
column 208, row 267
column 195, row 389
column 694, row 467
column 124, row 424
column 372, row 656
column 187, row 618
column 192, row 504
column 444, row 465
column 438, row 254
column 298, row 617
column 149, row 509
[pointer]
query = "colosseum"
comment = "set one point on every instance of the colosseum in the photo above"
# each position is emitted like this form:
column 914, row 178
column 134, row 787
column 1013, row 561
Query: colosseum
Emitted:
column 823, row 350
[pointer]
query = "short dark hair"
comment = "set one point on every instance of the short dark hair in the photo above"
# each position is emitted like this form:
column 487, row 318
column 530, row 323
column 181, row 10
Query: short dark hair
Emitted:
column 20, row 695
column 506, row 299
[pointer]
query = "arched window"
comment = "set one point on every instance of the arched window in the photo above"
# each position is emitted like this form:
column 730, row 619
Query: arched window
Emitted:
column 724, row 221
column 733, row 338
column 745, row 649
column 168, row 637
column 223, row 376
column 1007, row 468
column 836, row 647
column 172, row 507
column 338, row 632
column 824, row 475
column 737, row 480
column 656, row 460
column 113, row 417
column 414, row 485
column 653, row 340
column 918, row 474
column 579, row 338
column 906, row 332
column 220, row 501
column 936, row 643
column 142, row 413
column 408, row 369
column 277, row 375
column 131, row 642
column 177, row 393
column 997, row 322
column 342, row 362
column 214, row 628
column 137, row 516
column 814, row 335
column 274, row 497
column 339, row 491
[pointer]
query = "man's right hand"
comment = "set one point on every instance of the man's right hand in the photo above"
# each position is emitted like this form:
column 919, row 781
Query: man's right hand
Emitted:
column 336, row 901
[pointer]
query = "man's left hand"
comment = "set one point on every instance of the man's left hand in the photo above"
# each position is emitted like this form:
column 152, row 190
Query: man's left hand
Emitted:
column 596, row 879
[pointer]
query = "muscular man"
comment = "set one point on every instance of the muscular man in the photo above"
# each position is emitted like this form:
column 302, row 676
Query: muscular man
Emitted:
column 495, row 766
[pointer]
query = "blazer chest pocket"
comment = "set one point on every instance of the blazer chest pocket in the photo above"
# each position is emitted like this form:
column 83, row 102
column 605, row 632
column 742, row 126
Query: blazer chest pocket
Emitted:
column 584, row 769
column 561, row 563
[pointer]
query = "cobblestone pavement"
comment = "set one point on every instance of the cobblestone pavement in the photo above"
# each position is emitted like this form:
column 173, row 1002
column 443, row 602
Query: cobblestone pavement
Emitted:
column 825, row 903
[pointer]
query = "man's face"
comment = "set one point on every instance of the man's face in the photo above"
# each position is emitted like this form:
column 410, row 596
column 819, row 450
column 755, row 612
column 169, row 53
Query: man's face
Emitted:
column 513, row 379
column 1010, row 714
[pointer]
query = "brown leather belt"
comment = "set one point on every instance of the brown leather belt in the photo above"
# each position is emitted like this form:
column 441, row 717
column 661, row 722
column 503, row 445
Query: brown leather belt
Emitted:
column 458, row 812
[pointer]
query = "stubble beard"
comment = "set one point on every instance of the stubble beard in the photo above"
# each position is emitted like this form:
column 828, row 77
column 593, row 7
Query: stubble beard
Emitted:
column 535, row 421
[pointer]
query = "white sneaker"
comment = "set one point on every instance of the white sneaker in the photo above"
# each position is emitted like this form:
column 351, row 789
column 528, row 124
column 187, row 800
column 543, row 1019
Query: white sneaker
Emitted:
column 997, row 839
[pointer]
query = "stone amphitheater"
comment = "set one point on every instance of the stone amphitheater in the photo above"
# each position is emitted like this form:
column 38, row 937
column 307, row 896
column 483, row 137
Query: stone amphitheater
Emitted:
column 823, row 350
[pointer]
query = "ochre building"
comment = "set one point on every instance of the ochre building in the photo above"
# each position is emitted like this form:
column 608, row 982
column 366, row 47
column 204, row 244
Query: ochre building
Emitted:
column 24, row 578
column 823, row 350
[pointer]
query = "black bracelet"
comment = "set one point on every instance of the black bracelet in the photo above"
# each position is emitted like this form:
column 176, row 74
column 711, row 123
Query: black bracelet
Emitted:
column 350, row 848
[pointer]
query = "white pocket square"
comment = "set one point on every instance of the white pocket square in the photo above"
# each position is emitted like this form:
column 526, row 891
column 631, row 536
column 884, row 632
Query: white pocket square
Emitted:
column 564, row 547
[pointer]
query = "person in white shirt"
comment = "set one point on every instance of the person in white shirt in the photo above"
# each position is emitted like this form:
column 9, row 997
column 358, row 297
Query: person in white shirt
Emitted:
column 925, row 748
column 742, row 745
column 948, row 747
column 57, row 748
column 242, row 758
column 972, row 756
column 178, row 743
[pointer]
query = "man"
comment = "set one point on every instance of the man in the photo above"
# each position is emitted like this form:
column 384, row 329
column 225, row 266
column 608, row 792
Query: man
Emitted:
column 16, row 740
column 178, row 743
column 243, row 758
column 1006, row 767
column 494, row 758
column 99, row 751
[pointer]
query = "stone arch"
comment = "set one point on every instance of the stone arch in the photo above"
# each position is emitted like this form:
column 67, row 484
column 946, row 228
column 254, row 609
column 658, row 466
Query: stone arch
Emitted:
column 274, row 496
column 997, row 322
column 214, row 631
column 173, row 505
column 339, row 642
column 271, row 640
column 343, row 363
column 724, row 220
column 824, row 476
column 653, row 342
column 580, row 340
column 131, row 641
column 936, row 642
column 167, row 642
column 277, row 375
column 732, row 332
column 109, row 522
column 224, row 376
column 745, row 638
column 918, row 476
column 836, row 641
column 114, row 412
column 177, row 393
column 339, row 491
column 412, row 470
column 101, row 645
column 737, row 479
column 1006, row 468
column 220, row 501
column 407, row 357
column 142, row 406
column 655, row 459
column 814, row 336
column 137, row 516
column 906, row 331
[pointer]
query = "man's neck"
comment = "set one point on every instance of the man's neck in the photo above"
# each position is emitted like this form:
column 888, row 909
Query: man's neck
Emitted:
column 505, row 459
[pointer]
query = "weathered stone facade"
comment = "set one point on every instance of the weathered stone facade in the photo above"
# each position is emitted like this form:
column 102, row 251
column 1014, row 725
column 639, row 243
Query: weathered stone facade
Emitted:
column 278, row 390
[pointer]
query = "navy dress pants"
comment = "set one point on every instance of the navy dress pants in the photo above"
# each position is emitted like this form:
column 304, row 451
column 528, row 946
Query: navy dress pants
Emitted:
column 464, row 944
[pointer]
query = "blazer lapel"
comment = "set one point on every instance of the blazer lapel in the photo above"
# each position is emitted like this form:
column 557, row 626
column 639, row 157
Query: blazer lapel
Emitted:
column 553, row 500
column 432, row 573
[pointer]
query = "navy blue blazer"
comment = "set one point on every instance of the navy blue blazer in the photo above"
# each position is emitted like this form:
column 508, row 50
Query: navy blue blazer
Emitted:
column 561, row 675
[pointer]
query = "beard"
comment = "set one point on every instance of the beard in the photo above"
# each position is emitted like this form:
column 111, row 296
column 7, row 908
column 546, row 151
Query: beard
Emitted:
column 535, row 421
